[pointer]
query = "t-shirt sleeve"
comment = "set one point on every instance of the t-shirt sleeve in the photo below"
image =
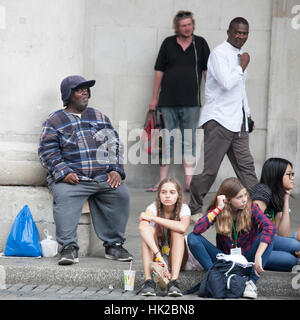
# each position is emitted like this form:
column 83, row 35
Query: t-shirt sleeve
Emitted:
column 152, row 207
column 162, row 60
column 260, row 192
column 185, row 211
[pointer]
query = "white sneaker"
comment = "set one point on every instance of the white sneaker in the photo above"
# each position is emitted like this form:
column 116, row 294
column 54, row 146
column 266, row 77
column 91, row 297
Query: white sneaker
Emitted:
column 250, row 290
column 195, row 217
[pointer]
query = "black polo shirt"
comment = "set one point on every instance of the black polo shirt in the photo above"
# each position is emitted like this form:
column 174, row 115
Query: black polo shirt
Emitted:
column 179, row 85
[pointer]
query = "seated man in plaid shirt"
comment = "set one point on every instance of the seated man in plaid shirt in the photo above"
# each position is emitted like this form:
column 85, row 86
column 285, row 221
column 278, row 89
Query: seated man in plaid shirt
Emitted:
column 82, row 153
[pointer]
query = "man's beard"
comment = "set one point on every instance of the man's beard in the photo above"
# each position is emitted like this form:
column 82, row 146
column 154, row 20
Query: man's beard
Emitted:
column 82, row 105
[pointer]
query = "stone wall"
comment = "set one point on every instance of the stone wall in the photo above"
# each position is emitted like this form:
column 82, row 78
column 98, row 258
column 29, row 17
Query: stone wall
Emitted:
column 116, row 43
column 121, row 45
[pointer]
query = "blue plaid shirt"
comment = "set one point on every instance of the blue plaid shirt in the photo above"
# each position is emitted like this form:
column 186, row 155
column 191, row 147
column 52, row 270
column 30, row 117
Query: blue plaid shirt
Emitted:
column 259, row 223
column 87, row 145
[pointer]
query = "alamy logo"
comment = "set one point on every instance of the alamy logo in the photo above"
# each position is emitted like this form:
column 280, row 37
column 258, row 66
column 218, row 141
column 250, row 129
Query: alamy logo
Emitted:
column 296, row 278
column 295, row 23
column 113, row 148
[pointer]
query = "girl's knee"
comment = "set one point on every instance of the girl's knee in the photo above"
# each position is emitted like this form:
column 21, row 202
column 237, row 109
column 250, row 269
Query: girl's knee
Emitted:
column 144, row 227
column 192, row 240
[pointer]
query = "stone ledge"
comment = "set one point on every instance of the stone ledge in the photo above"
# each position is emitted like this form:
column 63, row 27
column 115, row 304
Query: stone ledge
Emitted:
column 100, row 272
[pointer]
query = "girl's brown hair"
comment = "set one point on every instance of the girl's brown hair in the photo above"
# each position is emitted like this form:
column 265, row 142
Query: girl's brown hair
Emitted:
column 160, row 210
column 230, row 188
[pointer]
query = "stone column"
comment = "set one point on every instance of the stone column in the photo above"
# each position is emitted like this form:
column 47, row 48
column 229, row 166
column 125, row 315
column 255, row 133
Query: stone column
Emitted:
column 40, row 45
column 283, row 130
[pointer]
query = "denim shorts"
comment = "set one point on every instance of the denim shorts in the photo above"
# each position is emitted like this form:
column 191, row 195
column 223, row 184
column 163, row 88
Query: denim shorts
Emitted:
column 179, row 135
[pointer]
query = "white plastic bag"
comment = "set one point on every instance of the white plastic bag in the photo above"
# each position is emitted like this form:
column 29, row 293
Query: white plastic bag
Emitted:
column 237, row 258
column 192, row 263
column 49, row 246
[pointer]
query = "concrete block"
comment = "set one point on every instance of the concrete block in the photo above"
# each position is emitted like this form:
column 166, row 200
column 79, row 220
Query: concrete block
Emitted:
column 20, row 164
column 258, row 68
column 281, row 147
column 131, row 13
column 284, row 94
column 205, row 15
column 28, row 173
column 129, row 56
column 132, row 90
column 257, row 143
column 37, row 34
column 258, row 13
column 213, row 37
column 103, row 93
column 257, row 93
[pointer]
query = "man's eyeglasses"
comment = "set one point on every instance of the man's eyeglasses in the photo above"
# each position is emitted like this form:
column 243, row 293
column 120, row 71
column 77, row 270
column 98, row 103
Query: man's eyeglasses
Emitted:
column 291, row 175
column 183, row 14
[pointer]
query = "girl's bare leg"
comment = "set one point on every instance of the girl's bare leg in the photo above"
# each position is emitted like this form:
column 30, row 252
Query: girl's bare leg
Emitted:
column 177, row 256
column 149, row 246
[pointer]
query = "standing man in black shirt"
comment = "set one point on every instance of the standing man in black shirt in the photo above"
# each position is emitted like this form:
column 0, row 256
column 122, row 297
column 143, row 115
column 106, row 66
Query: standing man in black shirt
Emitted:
column 178, row 71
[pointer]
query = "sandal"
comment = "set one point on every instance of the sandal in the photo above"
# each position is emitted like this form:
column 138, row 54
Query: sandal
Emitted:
column 152, row 189
column 159, row 275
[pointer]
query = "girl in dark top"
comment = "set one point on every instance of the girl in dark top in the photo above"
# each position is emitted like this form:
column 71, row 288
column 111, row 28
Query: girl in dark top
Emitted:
column 241, row 228
column 272, row 195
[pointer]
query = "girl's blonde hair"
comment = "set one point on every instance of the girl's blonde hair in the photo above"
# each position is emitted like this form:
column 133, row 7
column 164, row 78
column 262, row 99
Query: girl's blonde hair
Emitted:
column 159, row 206
column 230, row 188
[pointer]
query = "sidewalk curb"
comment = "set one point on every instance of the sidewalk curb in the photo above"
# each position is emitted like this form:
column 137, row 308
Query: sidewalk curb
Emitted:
column 92, row 274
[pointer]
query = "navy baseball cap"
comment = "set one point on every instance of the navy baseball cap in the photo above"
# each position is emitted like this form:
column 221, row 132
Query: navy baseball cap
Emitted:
column 73, row 82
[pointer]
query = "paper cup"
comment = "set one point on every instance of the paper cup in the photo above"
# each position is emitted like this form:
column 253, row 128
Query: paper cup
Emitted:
column 129, row 277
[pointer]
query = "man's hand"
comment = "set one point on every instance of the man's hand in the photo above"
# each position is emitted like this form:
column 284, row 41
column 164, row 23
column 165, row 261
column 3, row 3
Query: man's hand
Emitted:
column 153, row 104
column 244, row 60
column 114, row 179
column 71, row 178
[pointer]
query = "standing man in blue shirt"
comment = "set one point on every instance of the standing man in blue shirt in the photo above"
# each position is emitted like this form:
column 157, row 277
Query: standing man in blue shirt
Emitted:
column 224, row 116
column 81, row 152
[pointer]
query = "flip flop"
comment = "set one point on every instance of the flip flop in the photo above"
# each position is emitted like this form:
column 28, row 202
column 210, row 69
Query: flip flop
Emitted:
column 152, row 189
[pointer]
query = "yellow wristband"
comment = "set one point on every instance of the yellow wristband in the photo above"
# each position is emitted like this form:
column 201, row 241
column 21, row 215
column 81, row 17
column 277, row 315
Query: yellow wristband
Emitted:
column 210, row 217
column 157, row 259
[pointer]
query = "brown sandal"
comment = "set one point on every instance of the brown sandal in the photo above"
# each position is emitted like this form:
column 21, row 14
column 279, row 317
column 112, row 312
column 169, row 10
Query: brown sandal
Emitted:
column 158, row 275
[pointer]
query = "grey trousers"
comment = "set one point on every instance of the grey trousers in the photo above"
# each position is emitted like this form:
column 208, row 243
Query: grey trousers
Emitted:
column 109, row 210
column 219, row 141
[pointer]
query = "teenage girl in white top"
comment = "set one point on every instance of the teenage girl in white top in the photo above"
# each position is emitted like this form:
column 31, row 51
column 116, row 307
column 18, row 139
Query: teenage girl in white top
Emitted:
column 162, row 227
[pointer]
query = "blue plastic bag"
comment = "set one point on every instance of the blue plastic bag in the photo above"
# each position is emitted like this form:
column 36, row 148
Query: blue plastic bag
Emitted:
column 24, row 238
